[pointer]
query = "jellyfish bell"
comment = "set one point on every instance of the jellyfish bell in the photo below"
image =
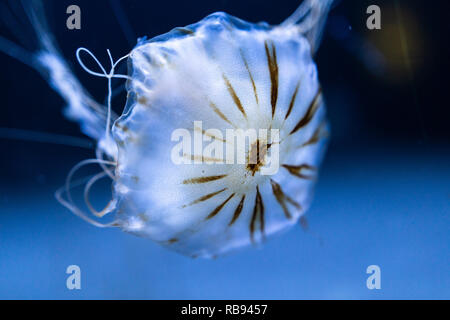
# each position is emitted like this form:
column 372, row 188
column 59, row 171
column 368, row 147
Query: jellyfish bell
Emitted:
column 227, row 74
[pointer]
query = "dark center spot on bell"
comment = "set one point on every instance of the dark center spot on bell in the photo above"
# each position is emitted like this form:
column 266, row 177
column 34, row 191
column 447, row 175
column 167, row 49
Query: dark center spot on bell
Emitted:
column 172, row 240
column 256, row 156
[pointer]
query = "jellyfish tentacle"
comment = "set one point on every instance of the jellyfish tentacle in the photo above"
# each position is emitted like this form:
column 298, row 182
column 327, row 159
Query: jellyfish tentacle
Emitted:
column 108, row 75
column 69, row 203
column 107, row 209
column 104, row 74
column 75, row 210
column 99, row 153
column 80, row 61
column 76, row 168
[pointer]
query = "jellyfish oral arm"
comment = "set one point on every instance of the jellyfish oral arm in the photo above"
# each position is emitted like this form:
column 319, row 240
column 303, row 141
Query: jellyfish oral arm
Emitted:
column 310, row 17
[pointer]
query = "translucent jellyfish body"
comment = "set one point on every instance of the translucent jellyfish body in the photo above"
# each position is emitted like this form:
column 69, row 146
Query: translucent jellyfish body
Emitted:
column 224, row 73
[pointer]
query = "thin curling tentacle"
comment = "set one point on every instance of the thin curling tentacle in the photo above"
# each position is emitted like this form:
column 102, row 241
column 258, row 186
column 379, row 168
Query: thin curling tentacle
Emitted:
column 77, row 167
column 87, row 189
column 69, row 203
column 99, row 154
column 106, row 75
column 80, row 61
column 75, row 210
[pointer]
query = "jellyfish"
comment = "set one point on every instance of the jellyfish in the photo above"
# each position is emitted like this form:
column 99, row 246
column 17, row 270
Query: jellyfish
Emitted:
column 203, row 80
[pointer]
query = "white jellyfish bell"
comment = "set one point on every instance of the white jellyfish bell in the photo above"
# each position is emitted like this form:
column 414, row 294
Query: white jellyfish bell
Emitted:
column 192, row 93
